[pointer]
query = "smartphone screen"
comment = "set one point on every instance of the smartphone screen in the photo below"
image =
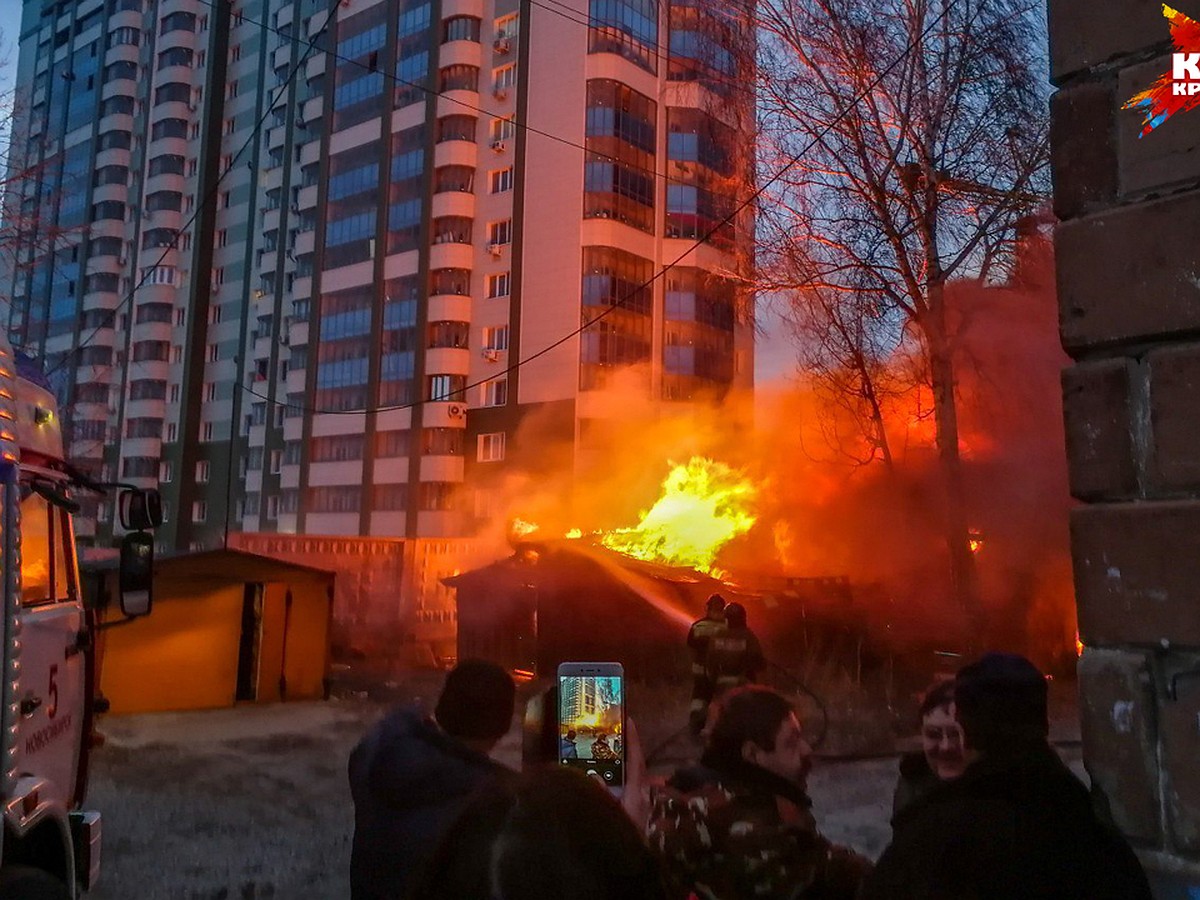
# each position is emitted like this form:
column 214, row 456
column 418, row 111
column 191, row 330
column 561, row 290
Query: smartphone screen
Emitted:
column 591, row 720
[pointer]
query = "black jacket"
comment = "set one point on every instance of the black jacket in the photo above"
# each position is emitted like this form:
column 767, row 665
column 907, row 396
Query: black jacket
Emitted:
column 916, row 779
column 409, row 780
column 1021, row 826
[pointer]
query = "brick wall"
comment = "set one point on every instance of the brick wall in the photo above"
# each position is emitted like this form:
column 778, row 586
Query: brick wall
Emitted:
column 1128, row 255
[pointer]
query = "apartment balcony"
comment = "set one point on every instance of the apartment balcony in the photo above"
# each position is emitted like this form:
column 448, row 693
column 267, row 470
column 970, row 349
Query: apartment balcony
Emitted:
column 107, row 228
column 262, row 347
column 451, row 256
column 272, row 178
column 307, row 198
column 289, row 476
column 284, row 16
column 448, row 360
column 444, row 415
column 310, row 151
column 276, row 136
column 150, row 446
column 281, row 55
column 333, row 474
column 302, row 287
column 439, row 524
column 115, row 122
column 313, row 109
column 304, row 243
column 169, row 74
column 442, row 468
column 123, row 52
column 298, row 333
column 145, row 409
column 173, row 145
column 461, row 53
column 456, row 153
column 254, row 479
column 267, row 260
column 453, row 203
column 175, row 109
column 296, row 379
column 315, row 66
column 118, row 87
column 452, row 8
column 153, row 331
column 110, row 192
column 458, row 103
column 270, row 220
column 449, row 308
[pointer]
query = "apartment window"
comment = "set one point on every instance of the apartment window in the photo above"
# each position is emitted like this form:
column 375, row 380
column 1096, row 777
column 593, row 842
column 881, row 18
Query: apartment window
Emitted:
column 334, row 499
column 491, row 447
column 166, row 164
column 174, row 393
column 206, row 431
column 272, row 506
column 225, row 199
column 171, row 201
column 110, row 175
column 214, row 352
column 175, row 56
column 177, row 21
column 458, row 78
column 389, row 497
column 446, row 387
column 460, row 28
column 442, row 441
column 494, row 392
column 117, row 105
column 169, row 128
column 500, row 232
column 235, row 53
column 456, row 128
column 628, row 28
column 437, row 495
column 180, row 318
column 176, row 358
column 391, row 444
column 172, row 92
column 230, row 126
column 276, row 461
column 231, row 90
column 222, row 237
column 339, row 447
column 166, row 472
column 124, row 36
column 210, row 391
column 498, row 285
column 500, row 180
column 202, row 472
column 114, row 140
column 192, row 167
column 504, row 78
column 199, row 511
column 448, row 334
column 495, row 337
column 506, row 26
column 503, row 129
column 214, row 315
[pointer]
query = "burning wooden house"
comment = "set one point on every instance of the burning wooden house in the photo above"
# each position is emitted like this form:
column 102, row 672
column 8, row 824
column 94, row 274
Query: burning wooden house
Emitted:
column 562, row 600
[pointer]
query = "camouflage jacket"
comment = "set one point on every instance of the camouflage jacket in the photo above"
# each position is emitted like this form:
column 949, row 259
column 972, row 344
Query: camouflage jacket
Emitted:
column 747, row 834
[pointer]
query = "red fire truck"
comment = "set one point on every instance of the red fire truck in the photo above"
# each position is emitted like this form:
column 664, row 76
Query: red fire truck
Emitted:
column 49, row 844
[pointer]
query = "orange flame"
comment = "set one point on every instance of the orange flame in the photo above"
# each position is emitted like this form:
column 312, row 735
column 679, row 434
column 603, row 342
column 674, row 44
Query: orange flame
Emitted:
column 704, row 505
column 1078, row 645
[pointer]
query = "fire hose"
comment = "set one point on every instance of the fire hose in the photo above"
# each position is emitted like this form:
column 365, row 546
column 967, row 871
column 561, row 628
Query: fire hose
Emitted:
column 815, row 743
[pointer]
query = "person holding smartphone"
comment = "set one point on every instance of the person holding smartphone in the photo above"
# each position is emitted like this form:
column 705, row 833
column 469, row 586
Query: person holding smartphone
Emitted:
column 741, row 824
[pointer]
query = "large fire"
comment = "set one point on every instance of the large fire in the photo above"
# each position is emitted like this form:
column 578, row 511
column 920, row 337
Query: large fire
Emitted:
column 704, row 505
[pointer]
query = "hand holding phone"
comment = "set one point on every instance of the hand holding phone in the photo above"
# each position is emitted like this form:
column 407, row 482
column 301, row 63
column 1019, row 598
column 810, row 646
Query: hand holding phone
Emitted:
column 591, row 720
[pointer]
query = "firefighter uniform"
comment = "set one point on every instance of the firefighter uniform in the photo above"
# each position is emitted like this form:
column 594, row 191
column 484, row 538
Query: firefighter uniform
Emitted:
column 699, row 638
column 734, row 658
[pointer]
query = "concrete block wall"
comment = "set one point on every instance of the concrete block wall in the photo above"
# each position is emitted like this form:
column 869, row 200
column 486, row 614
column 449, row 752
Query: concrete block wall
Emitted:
column 1128, row 256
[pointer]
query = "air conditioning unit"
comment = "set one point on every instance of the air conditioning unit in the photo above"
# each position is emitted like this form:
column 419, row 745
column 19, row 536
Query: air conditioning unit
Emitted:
column 456, row 410
column 499, row 146
column 502, row 44
column 491, row 355
column 495, row 249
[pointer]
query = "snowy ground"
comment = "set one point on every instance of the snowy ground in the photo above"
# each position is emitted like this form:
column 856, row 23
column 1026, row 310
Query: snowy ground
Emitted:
column 253, row 802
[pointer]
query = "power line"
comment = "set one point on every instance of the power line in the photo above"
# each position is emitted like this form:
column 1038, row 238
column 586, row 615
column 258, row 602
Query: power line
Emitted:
column 461, row 393
column 211, row 196
column 524, row 126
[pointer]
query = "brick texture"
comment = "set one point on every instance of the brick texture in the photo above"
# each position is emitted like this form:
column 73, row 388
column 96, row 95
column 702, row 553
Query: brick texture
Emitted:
column 1116, row 715
column 1130, row 274
column 1137, row 573
column 1083, row 153
column 1086, row 33
column 1166, row 159
column 1098, row 431
column 1174, row 401
column 1179, row 723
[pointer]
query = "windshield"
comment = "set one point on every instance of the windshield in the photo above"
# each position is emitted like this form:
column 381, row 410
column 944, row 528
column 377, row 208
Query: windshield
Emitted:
column 46, row 573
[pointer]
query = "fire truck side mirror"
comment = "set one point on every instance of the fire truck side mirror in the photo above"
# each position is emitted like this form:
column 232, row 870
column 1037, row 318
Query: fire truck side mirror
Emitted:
column 140, row 509
column 136, row 573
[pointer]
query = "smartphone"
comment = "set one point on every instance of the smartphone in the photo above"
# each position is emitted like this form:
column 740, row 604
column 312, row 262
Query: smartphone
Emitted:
column 591, row 719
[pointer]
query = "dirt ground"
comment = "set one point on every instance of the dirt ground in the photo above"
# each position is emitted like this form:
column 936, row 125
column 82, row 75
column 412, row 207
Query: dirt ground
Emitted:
column 253, row 802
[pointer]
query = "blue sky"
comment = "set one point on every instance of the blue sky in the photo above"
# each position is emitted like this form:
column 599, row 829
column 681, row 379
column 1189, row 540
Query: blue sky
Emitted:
column 10, row 31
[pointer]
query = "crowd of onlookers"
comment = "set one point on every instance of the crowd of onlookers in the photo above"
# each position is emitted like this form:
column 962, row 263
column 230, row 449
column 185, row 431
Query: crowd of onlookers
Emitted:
column 986, row 810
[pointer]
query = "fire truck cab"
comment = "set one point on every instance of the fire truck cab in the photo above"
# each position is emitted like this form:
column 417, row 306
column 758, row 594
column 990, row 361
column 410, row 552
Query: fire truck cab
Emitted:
column 49, row 845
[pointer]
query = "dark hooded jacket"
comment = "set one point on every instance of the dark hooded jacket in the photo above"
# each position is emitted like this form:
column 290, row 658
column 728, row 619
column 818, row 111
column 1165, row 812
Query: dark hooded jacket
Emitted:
column 409, row 780
column 916, row 779
column 1019, row 825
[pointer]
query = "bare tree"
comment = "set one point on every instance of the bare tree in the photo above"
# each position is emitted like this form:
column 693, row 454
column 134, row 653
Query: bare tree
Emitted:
column 920, row 127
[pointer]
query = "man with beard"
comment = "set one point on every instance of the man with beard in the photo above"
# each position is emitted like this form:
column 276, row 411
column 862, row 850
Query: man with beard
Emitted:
column 1017, row 823
column 741, row 825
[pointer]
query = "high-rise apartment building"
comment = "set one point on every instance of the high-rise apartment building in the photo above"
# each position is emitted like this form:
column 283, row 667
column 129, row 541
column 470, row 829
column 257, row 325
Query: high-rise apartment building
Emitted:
column 283, row 255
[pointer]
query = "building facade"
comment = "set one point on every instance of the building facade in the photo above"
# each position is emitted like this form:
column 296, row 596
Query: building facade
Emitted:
column 282, row 256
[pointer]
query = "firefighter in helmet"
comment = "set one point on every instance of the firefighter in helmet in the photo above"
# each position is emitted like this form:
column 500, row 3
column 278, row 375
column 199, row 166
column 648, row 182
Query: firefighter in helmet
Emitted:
column 734, row 655
column 699, row 636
